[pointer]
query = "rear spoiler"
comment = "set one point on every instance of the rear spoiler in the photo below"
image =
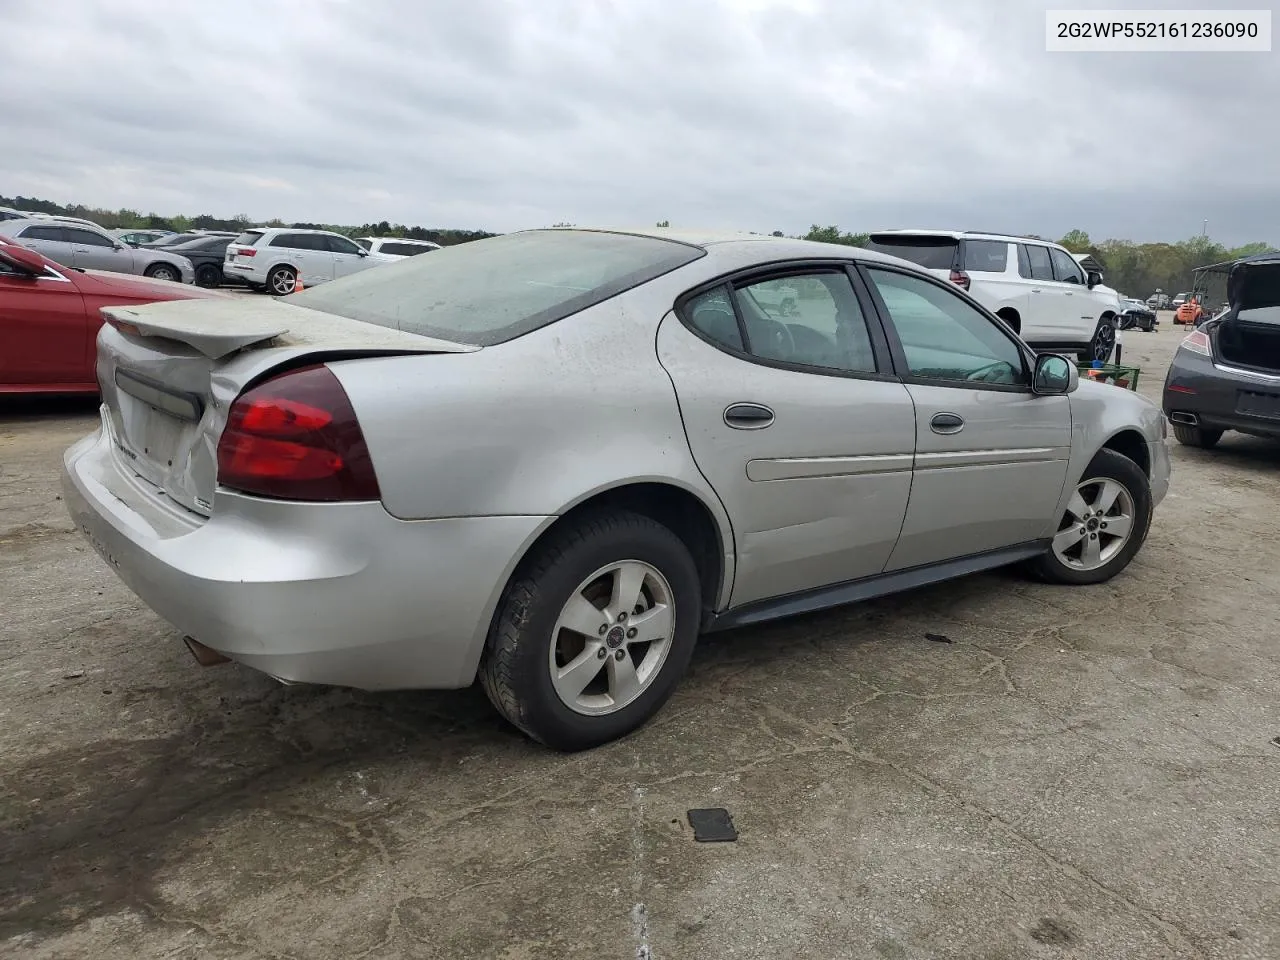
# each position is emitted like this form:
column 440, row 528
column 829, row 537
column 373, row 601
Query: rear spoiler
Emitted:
column 219, row 328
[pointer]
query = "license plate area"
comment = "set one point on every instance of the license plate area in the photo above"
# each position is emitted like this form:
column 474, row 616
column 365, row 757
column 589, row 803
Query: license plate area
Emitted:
column 1254, row 403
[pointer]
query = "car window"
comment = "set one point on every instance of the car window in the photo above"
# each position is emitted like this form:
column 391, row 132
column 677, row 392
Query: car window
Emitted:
column 1039, row 262
column 1064, row 267
column 711, row 313
column 986, row 256
column 300, row 241
column 366, row 243
column 945, row 337
column 342, row 245
column 87, row 237
column 932, row 253
column 248, row 238
column 43, row 233
column 813, row 320
column 404, row 249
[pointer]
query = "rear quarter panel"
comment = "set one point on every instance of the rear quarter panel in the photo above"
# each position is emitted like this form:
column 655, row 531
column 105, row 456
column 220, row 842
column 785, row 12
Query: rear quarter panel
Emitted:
column 533, row 426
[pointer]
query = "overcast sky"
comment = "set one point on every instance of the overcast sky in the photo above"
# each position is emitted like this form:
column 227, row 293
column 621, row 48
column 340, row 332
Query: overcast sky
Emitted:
column 750, row 114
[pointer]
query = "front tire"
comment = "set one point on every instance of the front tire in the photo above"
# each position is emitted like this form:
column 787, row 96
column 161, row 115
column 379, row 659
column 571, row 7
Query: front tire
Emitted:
column 1190, row 436
column 163, row 271
column 569, row 659
column 1104, row 526
column 1104, row 340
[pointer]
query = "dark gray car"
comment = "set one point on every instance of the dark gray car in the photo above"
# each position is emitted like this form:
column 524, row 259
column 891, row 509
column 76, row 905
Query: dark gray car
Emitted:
column 87, row 247
column 1226, row 373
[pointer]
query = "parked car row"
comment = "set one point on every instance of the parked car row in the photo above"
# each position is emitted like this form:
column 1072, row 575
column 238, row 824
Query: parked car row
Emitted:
column 203, row 256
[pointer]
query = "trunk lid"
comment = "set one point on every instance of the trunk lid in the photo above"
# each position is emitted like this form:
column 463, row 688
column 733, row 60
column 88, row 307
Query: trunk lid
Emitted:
column 170, row 371
column 1254, row 284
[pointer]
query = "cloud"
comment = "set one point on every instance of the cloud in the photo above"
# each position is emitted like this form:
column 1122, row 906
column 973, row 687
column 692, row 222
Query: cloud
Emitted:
column 754, row 114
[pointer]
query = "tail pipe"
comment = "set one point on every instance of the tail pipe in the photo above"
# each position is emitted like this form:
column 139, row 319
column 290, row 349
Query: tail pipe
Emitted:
column 1189, row 419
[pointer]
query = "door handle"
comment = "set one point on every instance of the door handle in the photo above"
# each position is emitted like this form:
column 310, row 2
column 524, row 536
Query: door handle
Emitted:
column 748, row 416
column 945, row 423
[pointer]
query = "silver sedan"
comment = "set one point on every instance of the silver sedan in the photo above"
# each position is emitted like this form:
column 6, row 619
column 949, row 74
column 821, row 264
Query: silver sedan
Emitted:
column 85, row 246
column 552, row 459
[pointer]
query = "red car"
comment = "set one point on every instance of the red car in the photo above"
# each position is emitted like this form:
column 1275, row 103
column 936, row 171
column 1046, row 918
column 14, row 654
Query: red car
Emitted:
column 49, row 319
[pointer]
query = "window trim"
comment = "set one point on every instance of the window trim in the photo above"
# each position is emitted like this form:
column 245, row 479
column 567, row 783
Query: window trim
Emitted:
column 778, row 270
column 899, row 354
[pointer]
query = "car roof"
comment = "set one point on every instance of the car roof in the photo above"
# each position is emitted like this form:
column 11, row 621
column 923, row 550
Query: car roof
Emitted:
column 963, row 235
column 765, row 247
column 423, row 243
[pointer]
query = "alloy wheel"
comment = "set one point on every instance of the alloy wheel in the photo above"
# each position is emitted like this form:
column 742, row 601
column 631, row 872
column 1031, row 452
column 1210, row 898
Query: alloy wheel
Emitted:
column 612, row 637
column 1097, row 524
column 282, row 282
column 1104, row 340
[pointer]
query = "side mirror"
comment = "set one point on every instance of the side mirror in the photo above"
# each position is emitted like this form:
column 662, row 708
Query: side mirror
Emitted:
column 1054, row 375
column 28, row 261
column 362, row 252
column 1094, row 278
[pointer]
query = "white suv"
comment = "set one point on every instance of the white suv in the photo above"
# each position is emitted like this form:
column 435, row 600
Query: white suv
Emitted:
column 1035, row 286
column 272, row 258
column 397, row 247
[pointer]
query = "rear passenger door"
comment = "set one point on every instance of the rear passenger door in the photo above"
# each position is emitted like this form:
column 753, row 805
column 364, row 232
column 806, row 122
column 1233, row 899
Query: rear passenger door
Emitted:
column 796, row 421
column 50, row 240
column 347, row 256
column 991, row 456
column 309, row 254
column 1043, row 321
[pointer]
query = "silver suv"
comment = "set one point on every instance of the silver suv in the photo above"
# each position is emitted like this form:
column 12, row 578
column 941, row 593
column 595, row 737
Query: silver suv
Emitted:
column 273, row 258
column 88, row 247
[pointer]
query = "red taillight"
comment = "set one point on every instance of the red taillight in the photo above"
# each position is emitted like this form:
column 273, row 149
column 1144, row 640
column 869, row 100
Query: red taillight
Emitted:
column 245, row 252
column 296, row 437
column 1198, row 342
column 960, row 279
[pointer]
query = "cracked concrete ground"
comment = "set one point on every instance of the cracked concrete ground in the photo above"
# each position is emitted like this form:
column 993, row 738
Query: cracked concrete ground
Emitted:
column 1081, row 773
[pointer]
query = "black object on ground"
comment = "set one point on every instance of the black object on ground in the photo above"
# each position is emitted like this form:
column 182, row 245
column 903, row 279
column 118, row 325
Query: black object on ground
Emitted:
column 938, row 638
column 712, row 825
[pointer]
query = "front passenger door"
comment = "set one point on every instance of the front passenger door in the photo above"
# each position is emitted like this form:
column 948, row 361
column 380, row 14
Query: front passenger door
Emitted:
column 991, row 456
column 346, row 256
column 94, row 251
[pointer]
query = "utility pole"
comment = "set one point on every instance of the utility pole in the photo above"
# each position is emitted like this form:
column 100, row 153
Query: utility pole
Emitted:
column 1204, row 232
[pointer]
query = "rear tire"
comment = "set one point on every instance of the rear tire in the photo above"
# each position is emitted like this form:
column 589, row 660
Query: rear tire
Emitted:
column 209, row 276
column 281, row 281
column 530, row 651
column 1091, row 545
column 1190, row 436
column 163, row 271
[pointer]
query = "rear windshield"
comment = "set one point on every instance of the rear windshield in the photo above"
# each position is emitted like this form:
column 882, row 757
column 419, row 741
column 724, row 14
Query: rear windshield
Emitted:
column 248, row 238
column 490, row 291
column 932, row 253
